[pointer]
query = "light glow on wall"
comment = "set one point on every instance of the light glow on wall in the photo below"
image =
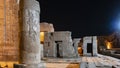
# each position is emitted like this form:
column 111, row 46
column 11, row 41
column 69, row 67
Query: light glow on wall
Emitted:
column 109, row 45
column 41, row 36
column 80, row 50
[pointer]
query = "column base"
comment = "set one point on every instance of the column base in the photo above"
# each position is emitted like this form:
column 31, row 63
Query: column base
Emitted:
column 39, row 65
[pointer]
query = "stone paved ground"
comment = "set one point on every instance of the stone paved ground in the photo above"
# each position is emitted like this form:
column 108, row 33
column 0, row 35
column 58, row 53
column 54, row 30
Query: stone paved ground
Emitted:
column 100, row 61
column 84, row 62
column 63, row 63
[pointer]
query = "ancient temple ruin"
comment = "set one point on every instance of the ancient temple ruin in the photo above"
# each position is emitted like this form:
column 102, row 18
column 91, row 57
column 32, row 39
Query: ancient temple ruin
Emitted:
column 58, row 45
column 90, row 46
column 20, row 39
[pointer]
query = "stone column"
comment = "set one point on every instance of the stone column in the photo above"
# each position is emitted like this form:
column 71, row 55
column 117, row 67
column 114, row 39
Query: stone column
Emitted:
column 95, row 52
column 30, row 31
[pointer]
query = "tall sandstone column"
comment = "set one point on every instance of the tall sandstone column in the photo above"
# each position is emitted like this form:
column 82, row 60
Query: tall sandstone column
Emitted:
column 30, row 31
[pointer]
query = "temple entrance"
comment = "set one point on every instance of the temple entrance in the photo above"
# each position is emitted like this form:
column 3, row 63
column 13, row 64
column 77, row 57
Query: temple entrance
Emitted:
column 58, row 54
column 58, row 44
column 89, row 48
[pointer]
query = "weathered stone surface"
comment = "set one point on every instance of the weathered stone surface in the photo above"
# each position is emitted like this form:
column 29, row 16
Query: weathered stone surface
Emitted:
column 86, row 40
column 9, row 30
column 30, row 38
column 90, row 40
column 76, row 42
column 46, row 27
column 58, row 44
column 95, row 50
column 41, row 47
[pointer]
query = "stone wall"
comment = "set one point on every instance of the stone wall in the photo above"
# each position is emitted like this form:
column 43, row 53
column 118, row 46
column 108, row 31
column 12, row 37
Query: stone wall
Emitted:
column 58, row 44
column 9, row 30
column 92, row 40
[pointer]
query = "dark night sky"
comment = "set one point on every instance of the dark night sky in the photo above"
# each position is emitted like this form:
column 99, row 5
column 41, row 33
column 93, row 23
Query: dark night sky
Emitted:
column 82, row 17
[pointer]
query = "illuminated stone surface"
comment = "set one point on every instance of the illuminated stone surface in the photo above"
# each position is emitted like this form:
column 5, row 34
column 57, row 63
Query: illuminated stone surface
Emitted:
column 46, row 27
column 41, row 36
column 9, row 30
column 30, row 55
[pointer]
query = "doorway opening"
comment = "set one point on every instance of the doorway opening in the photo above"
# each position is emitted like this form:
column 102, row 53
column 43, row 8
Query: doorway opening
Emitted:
column 89, row 48
column 58, row 53
column 58, row 45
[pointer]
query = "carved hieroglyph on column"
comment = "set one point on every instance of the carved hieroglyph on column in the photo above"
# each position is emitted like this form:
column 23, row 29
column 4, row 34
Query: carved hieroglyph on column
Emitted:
column 30, row 29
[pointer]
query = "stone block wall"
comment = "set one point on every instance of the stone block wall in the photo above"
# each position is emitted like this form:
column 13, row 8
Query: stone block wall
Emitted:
column 90, row 40
column 58, row 42
column 9, row 30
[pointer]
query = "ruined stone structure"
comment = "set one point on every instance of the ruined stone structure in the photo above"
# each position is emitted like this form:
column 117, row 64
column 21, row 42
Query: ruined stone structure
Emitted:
column 58, row 44
column 76, row 42
column 46, row 27
column 9, row 30
column 90, row 46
